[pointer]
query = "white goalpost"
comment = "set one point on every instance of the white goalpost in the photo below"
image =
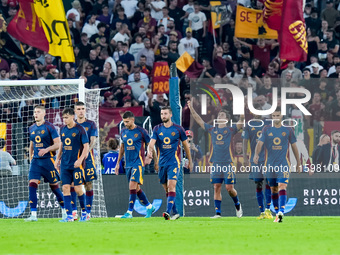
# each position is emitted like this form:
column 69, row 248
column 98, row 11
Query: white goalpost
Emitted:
column 17, row 101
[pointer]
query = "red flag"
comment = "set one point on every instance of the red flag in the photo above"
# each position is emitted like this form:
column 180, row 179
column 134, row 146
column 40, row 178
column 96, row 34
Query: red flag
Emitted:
column 272, row 13
column 27, row 28
column 292, row 36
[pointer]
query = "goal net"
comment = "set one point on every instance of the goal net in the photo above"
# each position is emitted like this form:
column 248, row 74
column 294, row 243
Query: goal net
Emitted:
column 17, row 101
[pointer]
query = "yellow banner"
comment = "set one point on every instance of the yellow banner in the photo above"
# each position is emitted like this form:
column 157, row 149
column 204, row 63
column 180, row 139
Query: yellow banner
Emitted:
column 249, row 24
column 3, row 127
column 53, row 18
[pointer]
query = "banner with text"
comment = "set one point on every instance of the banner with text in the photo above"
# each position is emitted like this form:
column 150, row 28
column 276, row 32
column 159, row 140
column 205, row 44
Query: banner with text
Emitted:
column 160, row 78
column 249, row 24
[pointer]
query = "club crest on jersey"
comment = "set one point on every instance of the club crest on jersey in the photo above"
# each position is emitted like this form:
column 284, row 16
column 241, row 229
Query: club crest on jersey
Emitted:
column 136, row 135
column 283, row 133
column 42, row 132
column 173, row 133
column 225, row 131
column 74, row 134
column 87, row 129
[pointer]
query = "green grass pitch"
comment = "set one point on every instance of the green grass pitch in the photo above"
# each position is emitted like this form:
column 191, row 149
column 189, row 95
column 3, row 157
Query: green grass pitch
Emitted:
column 230, row 235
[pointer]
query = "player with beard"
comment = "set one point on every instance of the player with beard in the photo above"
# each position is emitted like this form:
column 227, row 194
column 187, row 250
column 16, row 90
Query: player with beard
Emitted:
column 167, row 137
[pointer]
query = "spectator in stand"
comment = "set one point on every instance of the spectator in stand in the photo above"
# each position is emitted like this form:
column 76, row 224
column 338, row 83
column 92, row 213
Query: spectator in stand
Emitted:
column 105, row 56
column 257, row 69
column 122, row 19
column 118, row 52
column 325, row 93
column 109, row 100
column 329, row 14
column 335, row 110
column 336, row 60
column 122, row 72
column 156, row 8
column 165, row 19
column 136, row 47
column 173, row 54
column 105, row 17
column 313, row 42
column 332, row 43
column 190, row 44
column 195, row 151
column 95, row 39
column 322, row 33
column 127, row 58
column 164, row 56
column 75, row 14
column 219, row 64
column 177, row 14
column 316, row 71
column 137, row 69
column 84, row 46
column 130, row 7
column 74, row 33
column 96, row 62
column 138, row 86
column 307, row 82
column 208, row 72
column 261, row 50
column 90, row 28
column 122, row 36
column 235, row 75
column 144, row 67
column 148, row 52
column 148, row 22
column 174, row 35
column 267, row 86
column 139, row 14
column 337, row 71
column 6, row 160
column 155, row 109
column 295, row 72
column 188, row 8
column 197, row 22
column 317, row 109
column 90, row 76
column 313, row 22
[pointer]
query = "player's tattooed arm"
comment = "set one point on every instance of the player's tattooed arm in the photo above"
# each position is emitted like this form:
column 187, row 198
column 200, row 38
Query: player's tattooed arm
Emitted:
column 54, row 147
column 257, row 151
column 196, row 117
column 187, row 153
column 120, row 156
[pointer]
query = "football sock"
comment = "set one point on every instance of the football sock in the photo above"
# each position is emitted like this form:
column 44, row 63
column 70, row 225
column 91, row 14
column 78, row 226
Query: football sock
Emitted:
column 132, row 199
column 268, row 194
column 282, row 199
column 82, row 202
column 171, row 201
column 218, row 206
column 32, row 188
column 89, row 200
column 259, row 197
column 73, row 199
column 57, row 192
column 68, row 206
column 236, row 202
column 275, row 199
column 142, row 198
column 174, row 209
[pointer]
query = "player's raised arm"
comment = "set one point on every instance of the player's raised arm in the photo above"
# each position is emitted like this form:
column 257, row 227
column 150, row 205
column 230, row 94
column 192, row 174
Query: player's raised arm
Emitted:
column 187, row 153
column 120, row 156
column 296, row 155
column 196, row 117
column 257, row 151
column 54, row 147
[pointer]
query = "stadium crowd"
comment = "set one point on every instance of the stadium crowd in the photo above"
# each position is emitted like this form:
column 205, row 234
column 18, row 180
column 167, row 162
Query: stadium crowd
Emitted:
column 117, row 42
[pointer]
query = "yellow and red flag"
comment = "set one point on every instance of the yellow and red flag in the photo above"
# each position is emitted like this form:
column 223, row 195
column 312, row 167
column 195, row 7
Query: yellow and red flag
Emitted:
column 43, row 24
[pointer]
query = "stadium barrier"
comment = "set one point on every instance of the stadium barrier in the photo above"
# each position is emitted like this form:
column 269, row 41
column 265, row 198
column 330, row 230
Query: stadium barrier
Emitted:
column 317, row 195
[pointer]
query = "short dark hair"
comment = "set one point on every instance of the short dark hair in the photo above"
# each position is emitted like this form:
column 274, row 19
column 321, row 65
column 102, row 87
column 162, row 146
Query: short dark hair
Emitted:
column 147, row 9
column 226, row 113
column 101, row 24
column 128, row 114
column 338, row 64
column 69, row 111
column 334, row 132
column 166, row 108
column 278, row 109
column 113, row 143
column 2, row 143
column 79, row 103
